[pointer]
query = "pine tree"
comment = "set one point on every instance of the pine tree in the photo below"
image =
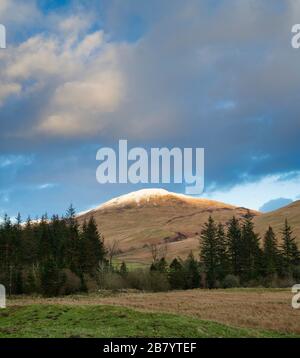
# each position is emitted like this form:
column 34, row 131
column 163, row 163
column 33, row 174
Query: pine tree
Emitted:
column 234, row 237
column 289, row 250
column 223, row 264
column 251, row 263
column 270, row 253
column 192, row 275
column 92, row 246
column 72, row 241
column 176, row 275
column 162, row 265
column 209, row 251
column 51, row 278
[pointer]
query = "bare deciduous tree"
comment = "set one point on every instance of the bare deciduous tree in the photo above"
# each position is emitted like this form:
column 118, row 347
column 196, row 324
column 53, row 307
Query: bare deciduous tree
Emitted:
column 158, row 251
column 112, row 250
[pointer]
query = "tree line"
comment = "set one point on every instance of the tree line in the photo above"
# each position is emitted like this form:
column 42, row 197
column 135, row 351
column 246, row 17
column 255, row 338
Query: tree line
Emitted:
column 236, row 250
column 233, row 255
column 58, row 256
column 49, row 256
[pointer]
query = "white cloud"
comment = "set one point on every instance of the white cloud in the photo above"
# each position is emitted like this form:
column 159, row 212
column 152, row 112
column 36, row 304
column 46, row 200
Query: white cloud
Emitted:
column 84, row 76
column 19, row 12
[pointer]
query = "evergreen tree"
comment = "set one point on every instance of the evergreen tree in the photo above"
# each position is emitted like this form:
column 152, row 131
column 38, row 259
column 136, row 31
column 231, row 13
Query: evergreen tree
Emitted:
column 176, row 275
column 289, row 250
column 234, row 237
column 223, row 264
column 270, row 253
column 72, row 241
column 92, row 247
column 209, row 252
column 162, row 265
column 51, row 278
column 250, row 251
column 192, row 275
column 37, row 254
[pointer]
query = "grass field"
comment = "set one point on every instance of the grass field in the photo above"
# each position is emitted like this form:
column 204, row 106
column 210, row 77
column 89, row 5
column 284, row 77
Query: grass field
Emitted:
column 56, row 321
column 193, row 313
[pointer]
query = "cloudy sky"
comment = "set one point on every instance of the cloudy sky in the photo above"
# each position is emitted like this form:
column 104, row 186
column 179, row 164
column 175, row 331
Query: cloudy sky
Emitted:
column 80, row 75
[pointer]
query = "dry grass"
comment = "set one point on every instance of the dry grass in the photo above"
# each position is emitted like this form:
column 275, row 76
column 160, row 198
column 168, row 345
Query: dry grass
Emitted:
column 276, row 220
column 251, row 308
column 137, row 227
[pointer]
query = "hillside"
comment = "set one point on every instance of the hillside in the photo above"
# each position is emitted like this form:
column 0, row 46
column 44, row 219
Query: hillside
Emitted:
column 156, row 216
column 276, row 219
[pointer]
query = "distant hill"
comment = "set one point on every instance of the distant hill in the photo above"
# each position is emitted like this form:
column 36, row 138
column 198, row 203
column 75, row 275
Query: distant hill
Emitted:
column 276, row 219
column 156, row 216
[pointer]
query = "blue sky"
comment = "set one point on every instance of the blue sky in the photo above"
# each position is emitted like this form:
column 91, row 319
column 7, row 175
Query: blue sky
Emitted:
column 79, row 75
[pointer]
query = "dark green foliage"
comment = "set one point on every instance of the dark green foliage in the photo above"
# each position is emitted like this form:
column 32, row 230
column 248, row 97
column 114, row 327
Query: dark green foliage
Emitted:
column 290, row 252
column 234, row 236
column 230, row 281
column 34, row 255
column 177, row 275
column 91, row 247
column 58, row 256
column 223, row 261
column 251, row 255
column 51, row 278
column 238, row 254
column 159, row 266
column 209, row 251
column 270, row 254
column 192, row 274
column 123, row 269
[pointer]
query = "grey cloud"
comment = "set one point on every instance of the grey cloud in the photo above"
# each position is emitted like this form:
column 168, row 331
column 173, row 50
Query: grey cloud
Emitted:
column 192, row 57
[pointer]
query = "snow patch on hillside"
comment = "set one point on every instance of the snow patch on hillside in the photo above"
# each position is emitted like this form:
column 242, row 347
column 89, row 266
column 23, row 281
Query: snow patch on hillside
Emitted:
column 136, row 197
column 153, row 196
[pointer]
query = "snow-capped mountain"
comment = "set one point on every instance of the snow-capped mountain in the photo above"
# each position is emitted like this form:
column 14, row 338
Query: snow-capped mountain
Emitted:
column 157, row 216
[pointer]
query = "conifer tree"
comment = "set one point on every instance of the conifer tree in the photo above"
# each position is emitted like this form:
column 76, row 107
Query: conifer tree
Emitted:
column 72, row 241
column 234, row 237
column 251, row 263
column 176, row 275
column 192, row 275
column 92, row 246
column 209, row 251
column 51, row 278
column 223, row 264
column 289, row 250
column 270, row 253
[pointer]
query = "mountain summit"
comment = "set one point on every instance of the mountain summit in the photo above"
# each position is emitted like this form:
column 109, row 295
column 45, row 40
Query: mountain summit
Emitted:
column 157, row 216
column 155, row 197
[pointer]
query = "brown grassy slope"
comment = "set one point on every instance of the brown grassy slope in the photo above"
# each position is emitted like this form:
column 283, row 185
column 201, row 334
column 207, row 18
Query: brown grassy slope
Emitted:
column 250, row 308
column 276, row 220
column 176, row 220
column 172, row 219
